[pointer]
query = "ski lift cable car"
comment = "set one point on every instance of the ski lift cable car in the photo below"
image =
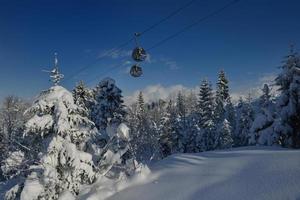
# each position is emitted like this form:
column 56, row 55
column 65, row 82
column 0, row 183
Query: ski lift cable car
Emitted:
column 138, row 55
column 136, row 71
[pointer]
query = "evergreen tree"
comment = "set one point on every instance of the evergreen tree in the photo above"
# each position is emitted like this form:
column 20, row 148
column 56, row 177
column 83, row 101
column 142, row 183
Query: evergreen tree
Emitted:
column 245, row 116
column 287, row 130
column 141, row 105
column 206, row 114
column 145, row 142
column 117, row 159
column 222, row 86
column 225, row 138
column 224, row 111
column 83, row 97
column 108, row 109
column 166, row 137
column 262, row 127
column 12, row 143
column 60, row 131
column 222, row 94
column 193, row 134
column 180, row 105
column 230, row 114
column 191, row 103
column 180, row 133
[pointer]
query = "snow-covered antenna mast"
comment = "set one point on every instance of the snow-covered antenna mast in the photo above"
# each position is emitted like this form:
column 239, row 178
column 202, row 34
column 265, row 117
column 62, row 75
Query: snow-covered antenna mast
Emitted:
column 55, row 75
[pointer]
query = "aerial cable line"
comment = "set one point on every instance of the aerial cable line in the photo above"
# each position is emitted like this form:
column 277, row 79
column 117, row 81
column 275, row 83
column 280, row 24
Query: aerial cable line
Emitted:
column 216, row 12
column 121, row 46
column 212, row 14
column 175, row 12
column 110, row 52
column 114, row 67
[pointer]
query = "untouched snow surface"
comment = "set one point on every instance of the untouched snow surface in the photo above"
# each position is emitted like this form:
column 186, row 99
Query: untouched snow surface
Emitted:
column 241, row 174
column 238, row 174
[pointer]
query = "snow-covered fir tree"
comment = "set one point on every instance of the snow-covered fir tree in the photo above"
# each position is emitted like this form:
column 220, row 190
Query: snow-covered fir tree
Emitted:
column 206, row 114
column 166, row 130
column 117, row 159
column 222, row 111
column 262, row 128
column 191, row 102
column 230, row 114
column 222, row 94
column 156, row 110
column 287, row 129
column 225, row 139
column 83, row 97
column 145, row 141
column 180, row 134
column 245, row 117
column 63, row 128
column 108, row 110
column 193, row 134
column 12, row 143
column 60, row 131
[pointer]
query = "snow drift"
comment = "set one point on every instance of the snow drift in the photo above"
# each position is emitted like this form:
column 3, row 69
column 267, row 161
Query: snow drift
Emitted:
column 241, row 173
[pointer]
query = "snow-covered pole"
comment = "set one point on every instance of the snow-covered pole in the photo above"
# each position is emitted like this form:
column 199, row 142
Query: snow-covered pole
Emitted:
column 55, row 75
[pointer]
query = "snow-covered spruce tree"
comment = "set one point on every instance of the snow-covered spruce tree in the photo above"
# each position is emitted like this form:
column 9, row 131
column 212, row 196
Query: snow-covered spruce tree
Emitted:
column 3, row 147
column 117, row 160
column 225, row 139
column 12, row 118
column 166, row 140
column 138, row 125
column 157, row 118
column 206, row 114
column 191, row 102
column 108, row 109
column 245, row 116
column 144, row 140
column 230, row 114
column 12, row 144
column 287, row 129
column 83, row 97
column 63, row 127
column 222, row 94
column 132, row 122
column 193, row 134
column 192, row 125
column 180, row 133
column 239, row 107
column 262, row 128
column 222, row 111
column 59, row 130
column 156, row 110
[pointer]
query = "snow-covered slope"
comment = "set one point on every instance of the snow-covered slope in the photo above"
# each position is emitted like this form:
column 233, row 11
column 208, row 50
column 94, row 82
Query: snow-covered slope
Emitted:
column 241, row 173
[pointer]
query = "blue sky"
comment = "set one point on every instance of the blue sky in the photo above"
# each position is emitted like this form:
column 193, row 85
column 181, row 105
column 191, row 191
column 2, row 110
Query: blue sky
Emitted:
column 248, row 41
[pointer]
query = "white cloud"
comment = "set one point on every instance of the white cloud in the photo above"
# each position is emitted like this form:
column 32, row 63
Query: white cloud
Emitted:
column 171, row 64
column 126, row 65
column 149, row 58
column 114, row 53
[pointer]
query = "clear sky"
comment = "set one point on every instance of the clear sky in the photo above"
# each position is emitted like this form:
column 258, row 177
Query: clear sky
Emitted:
column 248, row 41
